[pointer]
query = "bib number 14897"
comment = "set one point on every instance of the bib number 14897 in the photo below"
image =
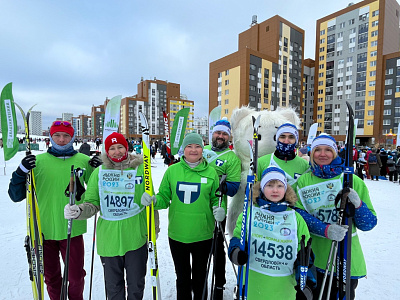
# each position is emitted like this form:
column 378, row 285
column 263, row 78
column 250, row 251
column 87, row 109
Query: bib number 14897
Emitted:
column 117, row 201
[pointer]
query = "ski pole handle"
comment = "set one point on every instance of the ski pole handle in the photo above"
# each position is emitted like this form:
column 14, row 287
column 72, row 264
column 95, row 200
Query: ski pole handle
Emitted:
column 72, row 187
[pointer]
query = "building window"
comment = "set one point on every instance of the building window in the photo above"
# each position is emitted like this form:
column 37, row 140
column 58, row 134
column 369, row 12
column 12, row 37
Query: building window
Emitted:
column 387, row 102
column 373, row 53
column 341, row 25
column 372, row 73
column 226, row 72
column 388, row 92
column 386, row 122
column 253, row 67
column 226, row 111
column 226, row 101
column 227, row 82
column 375, row 23
column 370, row 113
column 389, row 71
column 371, row 93
column 374, row 43
column 371, row 103
column 389, row 81
column 375, row 13
column 372, row 83
column 351, row 21
column 374, row 33
column 226, row 92
column 219, row 75
column 387, row 112
column 372, row 63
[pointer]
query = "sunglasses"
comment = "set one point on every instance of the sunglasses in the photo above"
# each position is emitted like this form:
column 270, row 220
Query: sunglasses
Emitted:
column 65, row 123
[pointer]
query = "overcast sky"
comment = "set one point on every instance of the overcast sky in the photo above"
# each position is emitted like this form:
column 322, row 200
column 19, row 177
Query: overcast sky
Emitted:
column 69, row 55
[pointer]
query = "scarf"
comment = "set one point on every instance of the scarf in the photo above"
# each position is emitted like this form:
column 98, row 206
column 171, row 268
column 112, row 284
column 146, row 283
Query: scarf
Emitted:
column 272, row 206
column 334, row 169
column 285, row 149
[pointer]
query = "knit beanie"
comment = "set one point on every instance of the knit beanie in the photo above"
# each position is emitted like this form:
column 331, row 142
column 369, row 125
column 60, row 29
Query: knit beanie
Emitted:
column 303, row 150
column 222, row 125
column 115, row 138
column 62, row 126
column 324, row 140
column 288, row 128
column 192, row 138
column 273, row 173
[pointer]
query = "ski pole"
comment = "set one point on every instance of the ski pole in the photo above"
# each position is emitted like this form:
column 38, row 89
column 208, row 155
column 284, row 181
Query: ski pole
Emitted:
column 227, row 246
column 204, row 296
column 214, row 243
column 72, row 188
column 91, row 265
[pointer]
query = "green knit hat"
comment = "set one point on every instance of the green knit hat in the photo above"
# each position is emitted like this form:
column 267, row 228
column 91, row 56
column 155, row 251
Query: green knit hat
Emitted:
column 192, row 138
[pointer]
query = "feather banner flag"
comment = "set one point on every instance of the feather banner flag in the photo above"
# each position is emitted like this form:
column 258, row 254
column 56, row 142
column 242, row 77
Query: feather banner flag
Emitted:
column 178, row 129
column 8, row 123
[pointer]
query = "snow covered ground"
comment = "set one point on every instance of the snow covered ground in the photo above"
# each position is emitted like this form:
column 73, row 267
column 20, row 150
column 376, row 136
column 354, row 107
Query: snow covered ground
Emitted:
column 381, row 245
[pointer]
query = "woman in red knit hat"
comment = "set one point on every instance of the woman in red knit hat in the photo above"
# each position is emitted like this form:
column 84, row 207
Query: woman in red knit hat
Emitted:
column 115, row 189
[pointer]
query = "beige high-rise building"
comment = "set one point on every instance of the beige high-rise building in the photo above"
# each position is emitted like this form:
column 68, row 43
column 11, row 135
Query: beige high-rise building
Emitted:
column 350, row 66
column 265, row 72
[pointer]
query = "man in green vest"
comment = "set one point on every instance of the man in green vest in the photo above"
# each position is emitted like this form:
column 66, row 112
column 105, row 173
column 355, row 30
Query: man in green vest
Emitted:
column 225, row 162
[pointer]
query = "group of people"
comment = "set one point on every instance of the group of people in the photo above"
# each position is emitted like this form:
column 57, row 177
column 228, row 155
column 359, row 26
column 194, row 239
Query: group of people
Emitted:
column 296, row 194
column 375, row 162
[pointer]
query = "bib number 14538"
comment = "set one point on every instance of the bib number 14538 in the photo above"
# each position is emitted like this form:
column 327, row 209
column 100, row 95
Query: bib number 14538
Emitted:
column 272, row 250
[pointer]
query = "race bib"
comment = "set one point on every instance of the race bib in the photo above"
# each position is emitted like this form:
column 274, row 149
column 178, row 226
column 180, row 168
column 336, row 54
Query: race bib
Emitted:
column 117, row 194
column 319, row 199
column 273, row 242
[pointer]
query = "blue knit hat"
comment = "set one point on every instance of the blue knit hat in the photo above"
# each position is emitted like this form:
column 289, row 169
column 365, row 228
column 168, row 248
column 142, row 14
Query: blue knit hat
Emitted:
column 273, row 173
column 324, row 140
column 222, row 125
column 288, row 128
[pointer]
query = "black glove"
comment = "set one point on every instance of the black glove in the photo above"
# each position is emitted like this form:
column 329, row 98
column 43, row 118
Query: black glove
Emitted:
column 239, row 257
column 169, row 159
column 95, row 161
column 27, row 164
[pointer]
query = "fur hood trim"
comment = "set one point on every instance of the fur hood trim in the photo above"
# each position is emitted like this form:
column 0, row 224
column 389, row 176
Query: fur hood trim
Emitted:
column 290, row 195
column 132, row 161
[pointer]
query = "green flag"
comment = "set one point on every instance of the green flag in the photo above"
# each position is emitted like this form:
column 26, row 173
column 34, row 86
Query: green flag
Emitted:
column 178, row 129
column 111, row 117
column 8, row 123
column 215, row 115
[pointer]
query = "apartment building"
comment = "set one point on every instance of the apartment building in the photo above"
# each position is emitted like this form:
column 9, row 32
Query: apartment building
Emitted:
column 83, row 126
column 351, row 46
column 153, row 96
column 35, row 123
column 265, row 72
